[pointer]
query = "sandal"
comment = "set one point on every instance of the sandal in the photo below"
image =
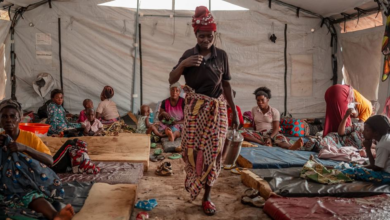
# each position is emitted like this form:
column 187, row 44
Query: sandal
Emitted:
column 147, row 205
column 251, row 193
column 236, row 171
column 257, row 201
column 153, row 145
column 229, row 167
column 155, row 158
column 175, row 156
column 142, row 216
column 158, row 151
column 165, row 169
column 209, row 208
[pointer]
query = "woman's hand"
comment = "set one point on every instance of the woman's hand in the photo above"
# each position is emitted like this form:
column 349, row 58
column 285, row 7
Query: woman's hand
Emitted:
column 16, row 147
column 367, row 144
column 194, row 60
column 166, row 116
column 235, row 120
column 348, row 112
column 268, row 141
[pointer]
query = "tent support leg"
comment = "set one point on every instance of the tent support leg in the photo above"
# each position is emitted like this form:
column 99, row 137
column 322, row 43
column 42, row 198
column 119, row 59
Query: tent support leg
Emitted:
column 60, row 53
column 135, row 57
column 140, row 66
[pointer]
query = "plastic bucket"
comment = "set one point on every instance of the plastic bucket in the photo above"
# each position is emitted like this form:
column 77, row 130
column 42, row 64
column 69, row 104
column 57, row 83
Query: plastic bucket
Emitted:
column 39, row 129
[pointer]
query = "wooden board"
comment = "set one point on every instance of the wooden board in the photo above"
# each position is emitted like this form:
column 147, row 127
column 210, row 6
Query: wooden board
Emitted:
column 134, row 148
column 108, row 202
column 252, row 180
column 244, row 162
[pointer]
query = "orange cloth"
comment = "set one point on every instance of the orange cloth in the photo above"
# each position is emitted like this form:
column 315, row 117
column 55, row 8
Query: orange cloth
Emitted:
column 31, row 140
column 364, row 107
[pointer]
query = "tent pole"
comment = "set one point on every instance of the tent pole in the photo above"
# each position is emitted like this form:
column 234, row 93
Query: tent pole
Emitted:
column 140, row 65
column 285, row 70
column 60, row 53
column 13, row 77
column 135, row 57
column 209, row 5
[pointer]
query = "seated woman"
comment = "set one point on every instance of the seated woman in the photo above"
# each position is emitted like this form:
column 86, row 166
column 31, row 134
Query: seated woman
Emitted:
column 266, row 123
column 31, row 145
column 57, row 115
column 171, row 114
column 338, row 98
column 107, row 111
column 351, row 136
column 376, row 128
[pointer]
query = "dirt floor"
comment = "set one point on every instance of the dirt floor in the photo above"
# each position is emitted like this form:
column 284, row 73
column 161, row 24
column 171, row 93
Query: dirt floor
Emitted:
column 173, row 200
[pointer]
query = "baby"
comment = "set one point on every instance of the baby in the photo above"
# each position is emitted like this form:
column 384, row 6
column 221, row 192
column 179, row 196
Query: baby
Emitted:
column 87, row 103
column 92, row 126
column 144, row 125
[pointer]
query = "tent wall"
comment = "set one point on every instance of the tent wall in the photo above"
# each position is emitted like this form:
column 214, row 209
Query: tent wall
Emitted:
column 97, row 48
column 4, row 30
column 98, row 41
column 254, row 60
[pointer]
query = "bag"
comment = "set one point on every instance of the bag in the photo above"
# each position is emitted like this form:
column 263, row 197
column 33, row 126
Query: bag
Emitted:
column 42, row 111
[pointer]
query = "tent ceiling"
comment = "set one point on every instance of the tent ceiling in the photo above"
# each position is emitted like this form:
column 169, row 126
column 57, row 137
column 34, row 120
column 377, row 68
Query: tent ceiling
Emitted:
column 22, row 3
column 329, row 8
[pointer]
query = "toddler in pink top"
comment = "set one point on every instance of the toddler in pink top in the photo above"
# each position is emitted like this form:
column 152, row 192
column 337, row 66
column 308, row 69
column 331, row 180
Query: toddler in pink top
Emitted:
column 87, row 103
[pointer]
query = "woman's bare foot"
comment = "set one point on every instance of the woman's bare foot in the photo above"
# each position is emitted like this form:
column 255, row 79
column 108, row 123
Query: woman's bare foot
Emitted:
column 66, row 213
column 170, row 135
column 297, row 145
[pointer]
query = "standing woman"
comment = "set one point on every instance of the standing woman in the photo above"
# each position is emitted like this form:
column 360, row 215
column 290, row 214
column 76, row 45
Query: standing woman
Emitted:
column 337, row 98
column 206, row 72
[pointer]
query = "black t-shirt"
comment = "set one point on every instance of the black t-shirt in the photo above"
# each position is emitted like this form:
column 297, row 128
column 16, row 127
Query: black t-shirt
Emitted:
column 207, row 78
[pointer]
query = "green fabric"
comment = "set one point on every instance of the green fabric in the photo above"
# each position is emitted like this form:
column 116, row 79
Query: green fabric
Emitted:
column 320, row 174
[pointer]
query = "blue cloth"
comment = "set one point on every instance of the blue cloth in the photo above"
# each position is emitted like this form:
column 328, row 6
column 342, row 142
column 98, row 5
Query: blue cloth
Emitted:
column 263, row 157
column 357, row 172
column 22, row 176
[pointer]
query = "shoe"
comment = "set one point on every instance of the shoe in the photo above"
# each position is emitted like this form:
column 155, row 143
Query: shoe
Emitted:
column 165, row 169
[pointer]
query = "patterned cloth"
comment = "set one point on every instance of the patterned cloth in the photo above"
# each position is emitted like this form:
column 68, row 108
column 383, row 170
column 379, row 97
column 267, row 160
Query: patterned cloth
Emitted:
column 57, row 119
column 279, row 138
column 203, row 136
column 24, row 179
column 353, row 138
column 76, row 152
column 141, row 125
column 356, row 172
column 317, row 172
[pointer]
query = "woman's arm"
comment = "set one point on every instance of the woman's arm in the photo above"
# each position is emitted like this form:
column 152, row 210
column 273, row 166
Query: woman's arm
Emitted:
column 227, row 90
column 367, row 145
column 275, row 128
column 341, row 130
column 39, row 156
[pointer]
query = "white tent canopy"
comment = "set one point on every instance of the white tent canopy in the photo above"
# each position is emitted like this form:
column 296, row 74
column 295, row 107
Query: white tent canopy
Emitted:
column 97, row 39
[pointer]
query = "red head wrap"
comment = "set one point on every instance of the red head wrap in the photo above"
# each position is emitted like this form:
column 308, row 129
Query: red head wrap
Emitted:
column 203, row 20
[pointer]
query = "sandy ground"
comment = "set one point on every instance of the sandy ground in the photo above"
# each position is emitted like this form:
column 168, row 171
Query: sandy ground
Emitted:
column 173, row 200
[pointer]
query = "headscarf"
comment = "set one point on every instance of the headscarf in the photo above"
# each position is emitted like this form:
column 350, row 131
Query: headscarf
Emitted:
column 9, row 103
column 379, row 123
column 175, row 85
column 108, row 92
column 203, row 20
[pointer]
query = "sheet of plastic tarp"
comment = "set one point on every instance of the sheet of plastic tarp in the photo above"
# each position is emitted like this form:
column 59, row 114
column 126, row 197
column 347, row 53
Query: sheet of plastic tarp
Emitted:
column 375, row 207
column 287, row 182
column 97, row 50
column 110, row 172
column 76, row 193
column 263, row 157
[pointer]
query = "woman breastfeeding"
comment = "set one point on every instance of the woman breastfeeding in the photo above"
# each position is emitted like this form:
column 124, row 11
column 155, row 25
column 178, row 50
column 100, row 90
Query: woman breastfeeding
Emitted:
column 266, row 123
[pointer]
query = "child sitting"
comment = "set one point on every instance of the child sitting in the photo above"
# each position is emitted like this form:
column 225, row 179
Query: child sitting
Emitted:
column 376, row 128
column 107, row 111
column 92, row 126
column 144, row 126
column 87, row 103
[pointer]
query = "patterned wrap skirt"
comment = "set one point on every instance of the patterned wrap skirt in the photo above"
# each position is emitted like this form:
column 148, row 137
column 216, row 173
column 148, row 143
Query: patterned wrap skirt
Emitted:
column 203, row 137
